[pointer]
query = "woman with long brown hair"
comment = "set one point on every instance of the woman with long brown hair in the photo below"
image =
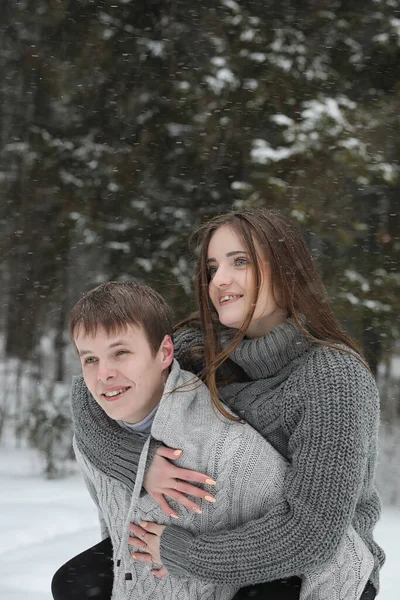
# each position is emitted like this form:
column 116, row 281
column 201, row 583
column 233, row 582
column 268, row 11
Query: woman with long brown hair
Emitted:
column 267, row 344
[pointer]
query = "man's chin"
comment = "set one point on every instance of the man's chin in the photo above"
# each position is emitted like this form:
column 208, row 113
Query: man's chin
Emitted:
column 114, row 412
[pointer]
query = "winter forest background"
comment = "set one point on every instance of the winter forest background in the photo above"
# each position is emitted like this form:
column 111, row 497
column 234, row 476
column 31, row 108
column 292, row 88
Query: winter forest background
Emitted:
column 126, row 123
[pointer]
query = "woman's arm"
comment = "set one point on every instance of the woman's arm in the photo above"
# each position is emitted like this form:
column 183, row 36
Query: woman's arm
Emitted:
column 332, row 415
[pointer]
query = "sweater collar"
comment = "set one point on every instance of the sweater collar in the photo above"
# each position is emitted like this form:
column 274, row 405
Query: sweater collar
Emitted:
column 182, row 388
column 265, row 356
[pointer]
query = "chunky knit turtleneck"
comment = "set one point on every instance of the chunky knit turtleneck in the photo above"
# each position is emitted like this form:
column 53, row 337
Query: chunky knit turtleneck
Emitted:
column 283, row 345
column 319, row 407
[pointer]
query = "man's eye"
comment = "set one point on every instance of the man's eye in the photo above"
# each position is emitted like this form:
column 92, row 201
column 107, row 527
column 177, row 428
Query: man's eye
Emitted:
column 121, row 352
column 90, row 360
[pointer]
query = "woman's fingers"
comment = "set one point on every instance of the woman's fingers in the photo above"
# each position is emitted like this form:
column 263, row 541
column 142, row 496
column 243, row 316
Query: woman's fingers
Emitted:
column 141, row 556
column 184, row 500
column 137, row 531
column 170, row 453
column 181, row 498
column 136, row 543
column 188, row 475
column 165, row 507
column 165, row 479
column 160, row 573
column 151, row 527
column 192, row 490
column 147, row 540
column 179, row 473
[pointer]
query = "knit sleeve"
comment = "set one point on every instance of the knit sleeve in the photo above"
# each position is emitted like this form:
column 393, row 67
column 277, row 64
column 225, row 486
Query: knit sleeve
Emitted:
column 330, row 413
column 113, row 450
column 188, row 342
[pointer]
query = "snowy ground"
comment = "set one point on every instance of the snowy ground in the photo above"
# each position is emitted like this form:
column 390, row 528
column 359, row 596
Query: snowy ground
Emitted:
column 43, row 523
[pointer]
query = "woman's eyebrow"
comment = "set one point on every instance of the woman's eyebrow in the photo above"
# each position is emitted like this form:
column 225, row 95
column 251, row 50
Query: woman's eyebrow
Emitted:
column 228, row 254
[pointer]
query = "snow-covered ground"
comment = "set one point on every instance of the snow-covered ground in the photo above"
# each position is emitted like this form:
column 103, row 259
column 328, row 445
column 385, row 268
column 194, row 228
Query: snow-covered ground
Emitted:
column 44, row 523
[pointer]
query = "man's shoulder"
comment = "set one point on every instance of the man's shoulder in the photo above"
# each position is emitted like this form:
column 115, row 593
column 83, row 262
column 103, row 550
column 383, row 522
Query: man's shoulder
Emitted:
column 185, row 385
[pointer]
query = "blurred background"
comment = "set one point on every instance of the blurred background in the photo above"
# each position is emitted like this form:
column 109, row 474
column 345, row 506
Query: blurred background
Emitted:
column 125, row 124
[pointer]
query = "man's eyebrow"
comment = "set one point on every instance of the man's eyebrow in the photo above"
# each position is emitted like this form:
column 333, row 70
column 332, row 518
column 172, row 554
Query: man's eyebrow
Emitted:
column 113, row 345
column 120, row 342
column 228, row 254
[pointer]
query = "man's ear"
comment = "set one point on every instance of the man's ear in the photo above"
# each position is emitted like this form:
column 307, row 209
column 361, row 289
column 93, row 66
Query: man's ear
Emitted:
column 167, row 351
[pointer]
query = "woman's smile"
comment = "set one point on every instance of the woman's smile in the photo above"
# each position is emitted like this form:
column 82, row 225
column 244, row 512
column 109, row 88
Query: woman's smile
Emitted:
column 228, row 298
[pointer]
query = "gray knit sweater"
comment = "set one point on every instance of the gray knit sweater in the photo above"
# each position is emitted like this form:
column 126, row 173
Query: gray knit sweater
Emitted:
column 319, row 407
column 250, row 476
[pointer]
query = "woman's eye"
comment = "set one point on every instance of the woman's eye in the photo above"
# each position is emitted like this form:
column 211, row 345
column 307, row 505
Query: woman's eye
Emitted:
column 241, row 262
column 211, row 272
column 121, row 352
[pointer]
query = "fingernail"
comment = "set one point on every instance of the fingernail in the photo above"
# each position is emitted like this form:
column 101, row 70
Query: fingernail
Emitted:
column 174, row 516
column 143, row 524
column 209, row 498
column 177, row 452
column 211, row 482
column 198, row 510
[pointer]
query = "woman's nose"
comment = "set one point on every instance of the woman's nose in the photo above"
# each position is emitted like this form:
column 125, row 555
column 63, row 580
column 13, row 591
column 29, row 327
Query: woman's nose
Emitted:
column 222, row 277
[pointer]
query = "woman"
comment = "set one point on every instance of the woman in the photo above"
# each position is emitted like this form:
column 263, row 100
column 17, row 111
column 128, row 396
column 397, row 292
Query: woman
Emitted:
column 276, row 355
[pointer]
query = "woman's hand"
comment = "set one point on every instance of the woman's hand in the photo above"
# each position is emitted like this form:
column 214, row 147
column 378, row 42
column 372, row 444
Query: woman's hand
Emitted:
column 165, row 479
column 147, row 539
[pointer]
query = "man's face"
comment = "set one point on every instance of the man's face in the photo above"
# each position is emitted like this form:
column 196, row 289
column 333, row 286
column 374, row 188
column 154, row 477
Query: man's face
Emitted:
column 121, row 371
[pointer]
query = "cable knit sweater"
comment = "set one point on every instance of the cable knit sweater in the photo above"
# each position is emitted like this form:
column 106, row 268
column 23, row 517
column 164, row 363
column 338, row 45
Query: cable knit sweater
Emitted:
column 250, row 476
column 231, row 452
column 319, row 408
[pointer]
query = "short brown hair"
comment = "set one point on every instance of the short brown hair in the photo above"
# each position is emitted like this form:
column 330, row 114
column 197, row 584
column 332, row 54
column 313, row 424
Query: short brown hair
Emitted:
column 115, row 304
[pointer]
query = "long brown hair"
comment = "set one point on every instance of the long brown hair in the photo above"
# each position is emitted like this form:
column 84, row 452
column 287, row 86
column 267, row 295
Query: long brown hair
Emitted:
column 295, row 281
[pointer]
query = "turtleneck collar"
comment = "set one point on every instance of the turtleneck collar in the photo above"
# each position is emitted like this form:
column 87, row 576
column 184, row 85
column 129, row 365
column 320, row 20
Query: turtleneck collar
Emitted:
column 265, row 356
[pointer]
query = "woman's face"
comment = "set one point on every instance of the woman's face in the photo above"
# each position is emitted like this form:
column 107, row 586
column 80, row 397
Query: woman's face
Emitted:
column 232, row 285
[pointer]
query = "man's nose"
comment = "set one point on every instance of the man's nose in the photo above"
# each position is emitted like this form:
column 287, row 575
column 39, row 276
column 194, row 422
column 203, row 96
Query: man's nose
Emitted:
column 106, row 371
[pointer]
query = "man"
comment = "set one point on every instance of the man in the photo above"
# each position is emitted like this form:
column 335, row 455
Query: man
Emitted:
column 133, row 393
